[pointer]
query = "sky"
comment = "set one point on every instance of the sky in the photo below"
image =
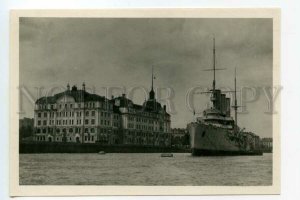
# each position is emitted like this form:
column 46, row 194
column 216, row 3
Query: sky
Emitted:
column 121, row 53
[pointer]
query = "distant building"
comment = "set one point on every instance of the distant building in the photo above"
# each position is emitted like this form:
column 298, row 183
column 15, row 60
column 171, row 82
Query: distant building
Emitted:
column 26, row 128
column 180, row 137
column 179, row 132
column 78, row 116
column 267, row 144
column 26, row 122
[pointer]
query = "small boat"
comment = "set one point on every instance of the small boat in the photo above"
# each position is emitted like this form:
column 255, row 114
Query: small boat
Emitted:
column 101, row 152
column 166, row 155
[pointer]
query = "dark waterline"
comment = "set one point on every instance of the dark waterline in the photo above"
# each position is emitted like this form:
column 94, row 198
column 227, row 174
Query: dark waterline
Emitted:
column 144, row 169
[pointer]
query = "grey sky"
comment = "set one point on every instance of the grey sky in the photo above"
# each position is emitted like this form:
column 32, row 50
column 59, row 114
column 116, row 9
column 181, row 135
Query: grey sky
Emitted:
column 121, row 52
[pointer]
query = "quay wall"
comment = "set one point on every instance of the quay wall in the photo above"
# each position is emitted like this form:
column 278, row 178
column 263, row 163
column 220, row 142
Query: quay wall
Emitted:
column 58, row 147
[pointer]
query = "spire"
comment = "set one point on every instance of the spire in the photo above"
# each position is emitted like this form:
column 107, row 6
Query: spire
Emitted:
column 152, row 93
column 152, row 79
column 68, row 87
column 83, row 86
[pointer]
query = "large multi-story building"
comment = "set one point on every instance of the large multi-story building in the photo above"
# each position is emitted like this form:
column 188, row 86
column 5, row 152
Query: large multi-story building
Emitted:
column 78, row 116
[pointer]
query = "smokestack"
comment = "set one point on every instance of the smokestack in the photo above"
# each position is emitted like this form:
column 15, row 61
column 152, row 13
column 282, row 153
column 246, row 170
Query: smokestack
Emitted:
column 218, row 99
column 227, row 107
column 223, row 103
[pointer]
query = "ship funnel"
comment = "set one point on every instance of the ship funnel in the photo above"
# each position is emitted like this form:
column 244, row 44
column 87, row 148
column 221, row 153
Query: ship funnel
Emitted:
column 227, row 107
column 223, row 104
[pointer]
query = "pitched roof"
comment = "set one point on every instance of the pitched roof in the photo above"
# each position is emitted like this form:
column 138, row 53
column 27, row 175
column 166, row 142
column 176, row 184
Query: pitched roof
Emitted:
column 78, row 95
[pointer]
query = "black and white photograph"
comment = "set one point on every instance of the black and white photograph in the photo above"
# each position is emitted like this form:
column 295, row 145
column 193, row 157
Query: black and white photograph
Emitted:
column 148, row 100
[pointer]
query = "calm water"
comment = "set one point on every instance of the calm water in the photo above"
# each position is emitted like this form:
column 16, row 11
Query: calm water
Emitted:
column 144, row 169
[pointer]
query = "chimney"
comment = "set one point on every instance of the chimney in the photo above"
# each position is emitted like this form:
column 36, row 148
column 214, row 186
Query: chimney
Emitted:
column 227, row 107
column 123, row 95
column 165, row 108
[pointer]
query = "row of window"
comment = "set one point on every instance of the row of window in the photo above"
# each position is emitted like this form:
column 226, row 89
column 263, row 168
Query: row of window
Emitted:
column 105, row 122
column 105, row 114
column 139, row 119
column 86, row 138
column 67, row 114
column 76, row 130
column 144, row 134
column 78, row 114
column 142, row 127
column 71, row 105
column 142, row 112
column 65, row 130
column 69, row 122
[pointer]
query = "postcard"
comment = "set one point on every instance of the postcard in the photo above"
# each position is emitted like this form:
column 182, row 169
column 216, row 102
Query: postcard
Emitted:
column 145, row 102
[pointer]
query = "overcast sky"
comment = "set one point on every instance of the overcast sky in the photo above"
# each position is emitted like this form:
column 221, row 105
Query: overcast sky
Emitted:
column 121, row 52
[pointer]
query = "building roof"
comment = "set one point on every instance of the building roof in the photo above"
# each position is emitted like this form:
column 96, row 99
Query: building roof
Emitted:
column 78, row 95
column 267, row 139
column 148, row 106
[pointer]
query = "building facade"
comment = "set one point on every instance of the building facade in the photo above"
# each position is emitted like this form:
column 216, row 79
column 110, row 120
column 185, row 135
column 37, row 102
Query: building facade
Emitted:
column 267, row 144
column 180, row 137
column 26, row 128
column 80, row 117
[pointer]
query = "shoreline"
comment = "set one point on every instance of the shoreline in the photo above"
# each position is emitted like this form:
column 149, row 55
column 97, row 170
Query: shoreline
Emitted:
column 55, row 147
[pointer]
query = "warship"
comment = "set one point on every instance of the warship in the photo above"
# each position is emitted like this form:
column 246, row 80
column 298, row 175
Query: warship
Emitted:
column 216, row 132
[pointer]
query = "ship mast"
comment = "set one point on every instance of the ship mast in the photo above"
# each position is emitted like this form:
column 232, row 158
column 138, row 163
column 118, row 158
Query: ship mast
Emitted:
column 235, row 104
column 214, row 66
column 213, row 97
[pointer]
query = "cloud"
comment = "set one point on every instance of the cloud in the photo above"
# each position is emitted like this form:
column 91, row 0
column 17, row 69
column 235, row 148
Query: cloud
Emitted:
column 105, row 52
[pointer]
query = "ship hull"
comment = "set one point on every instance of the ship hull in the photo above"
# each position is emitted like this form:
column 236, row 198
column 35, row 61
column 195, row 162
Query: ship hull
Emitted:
column 208, row 140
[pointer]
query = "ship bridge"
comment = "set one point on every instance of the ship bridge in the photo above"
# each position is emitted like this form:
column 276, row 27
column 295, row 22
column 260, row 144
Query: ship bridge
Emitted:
column 216, row 117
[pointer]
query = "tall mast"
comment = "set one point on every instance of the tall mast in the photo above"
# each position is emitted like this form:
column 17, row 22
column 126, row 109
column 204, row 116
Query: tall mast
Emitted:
column 214, row 65
column 235, row 103
column 214, row 97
